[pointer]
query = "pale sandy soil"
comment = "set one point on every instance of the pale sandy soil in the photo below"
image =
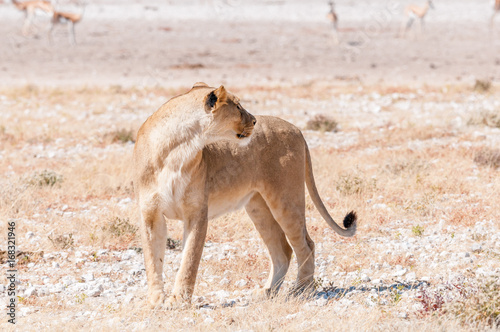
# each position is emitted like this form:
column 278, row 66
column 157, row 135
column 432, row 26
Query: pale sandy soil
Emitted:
column 416, row 155
column 240, row 43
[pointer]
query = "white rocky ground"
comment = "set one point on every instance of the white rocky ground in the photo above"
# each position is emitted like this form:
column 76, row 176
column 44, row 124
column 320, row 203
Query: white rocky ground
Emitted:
column 444, row 261
column 400, row 270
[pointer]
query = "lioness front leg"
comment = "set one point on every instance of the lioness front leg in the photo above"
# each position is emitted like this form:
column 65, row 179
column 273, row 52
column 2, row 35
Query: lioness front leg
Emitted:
column 154, row 237
column 195, row 231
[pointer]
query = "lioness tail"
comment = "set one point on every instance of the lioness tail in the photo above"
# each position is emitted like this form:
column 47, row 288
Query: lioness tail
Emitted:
column 349, row 219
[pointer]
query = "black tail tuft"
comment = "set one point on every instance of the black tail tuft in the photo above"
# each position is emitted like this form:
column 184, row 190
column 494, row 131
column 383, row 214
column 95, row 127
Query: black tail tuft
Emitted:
column 350, row 219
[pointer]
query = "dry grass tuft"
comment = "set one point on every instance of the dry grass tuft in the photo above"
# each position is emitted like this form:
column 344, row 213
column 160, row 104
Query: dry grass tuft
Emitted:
column 352, row 184
column 488, row 157
column 467, row 215
column 173, row 244
column 482, row 85
column 119, row 227
column 486, row 118
column 481, row 305
column 417, row 230
column 121, row 136
column 401, row 166
column 323, row 124
column 45, row 178
column 63, row 241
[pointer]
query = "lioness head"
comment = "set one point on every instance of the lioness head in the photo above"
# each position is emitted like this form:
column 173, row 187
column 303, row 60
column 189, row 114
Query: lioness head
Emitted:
column 230, row 119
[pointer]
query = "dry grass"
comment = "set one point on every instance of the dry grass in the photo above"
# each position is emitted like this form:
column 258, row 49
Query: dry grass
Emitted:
column 482, row 85
column 488, row 157
column 479, row 303
column 486, row 118
column 70, row 185
column 322, row 123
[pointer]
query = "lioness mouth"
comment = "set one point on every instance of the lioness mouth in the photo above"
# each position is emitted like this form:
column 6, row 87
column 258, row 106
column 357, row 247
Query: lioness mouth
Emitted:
column 242, row 135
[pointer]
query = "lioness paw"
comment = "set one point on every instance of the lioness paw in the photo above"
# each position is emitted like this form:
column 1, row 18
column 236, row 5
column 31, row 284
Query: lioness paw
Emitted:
column 156, row 298
column 176, row 302
column 261, row 294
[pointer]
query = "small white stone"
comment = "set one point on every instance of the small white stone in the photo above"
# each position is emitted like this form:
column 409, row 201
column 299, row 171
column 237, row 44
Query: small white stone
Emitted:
column 25, row 311
column 403, row 315
column 101, row 252
column 222, row 294
column 108, row 293
column 224, row 282
column 95, row 292
column 189, row 320
column 55, row 265
column 321, row 302
column 30, row 292
column 365, row 278
column 88, row 277
column 208, row 320
column 346, row 302
column 476, row 247
column 80, row 260
column 57, row 288
column 129, row 298
column 241, row 283
column 400, row 273
column 125, row 201
column 412, row 276
column 29, row 235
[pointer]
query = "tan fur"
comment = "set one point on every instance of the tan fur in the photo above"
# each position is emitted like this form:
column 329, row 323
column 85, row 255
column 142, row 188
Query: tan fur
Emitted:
column 30, row 8
column 496, row 9
column 333, row 18
column 190, row 165
column 413, row 12
column 66, row 18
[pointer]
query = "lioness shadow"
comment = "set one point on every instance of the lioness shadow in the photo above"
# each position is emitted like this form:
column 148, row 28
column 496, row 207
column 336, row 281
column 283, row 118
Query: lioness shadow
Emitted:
column 333, row 292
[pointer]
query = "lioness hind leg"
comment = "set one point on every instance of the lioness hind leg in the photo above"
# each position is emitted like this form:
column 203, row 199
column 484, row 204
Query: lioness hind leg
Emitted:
column 292, row 220
column 273, row 236
column 154, row 237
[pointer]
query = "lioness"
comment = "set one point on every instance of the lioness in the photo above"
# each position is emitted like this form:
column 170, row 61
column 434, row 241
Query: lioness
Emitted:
column 202, row 155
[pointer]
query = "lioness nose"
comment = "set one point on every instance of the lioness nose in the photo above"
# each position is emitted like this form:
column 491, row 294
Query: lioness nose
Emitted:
column 254, row 120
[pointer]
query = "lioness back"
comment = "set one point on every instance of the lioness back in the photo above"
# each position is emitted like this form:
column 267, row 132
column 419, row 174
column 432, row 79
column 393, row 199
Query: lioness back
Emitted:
column 273, row 161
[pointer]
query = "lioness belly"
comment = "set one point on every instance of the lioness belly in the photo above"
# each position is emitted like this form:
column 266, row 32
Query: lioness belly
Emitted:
column 221, row 204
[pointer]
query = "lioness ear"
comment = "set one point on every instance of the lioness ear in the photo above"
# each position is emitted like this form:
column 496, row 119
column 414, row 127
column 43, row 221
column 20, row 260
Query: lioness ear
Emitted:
column 221, row 94
column 200, row 85
column 217, row 98
column 211, row 99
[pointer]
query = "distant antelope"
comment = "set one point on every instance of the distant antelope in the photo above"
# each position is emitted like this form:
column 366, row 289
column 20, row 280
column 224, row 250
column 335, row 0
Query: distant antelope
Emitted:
column 413, row 12
column 496, row 9
column 66, row 18
column 30, row 8
column 332, row 17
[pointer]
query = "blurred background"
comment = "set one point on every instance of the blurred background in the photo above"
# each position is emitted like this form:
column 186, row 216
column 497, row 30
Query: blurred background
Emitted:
column 176, row 43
